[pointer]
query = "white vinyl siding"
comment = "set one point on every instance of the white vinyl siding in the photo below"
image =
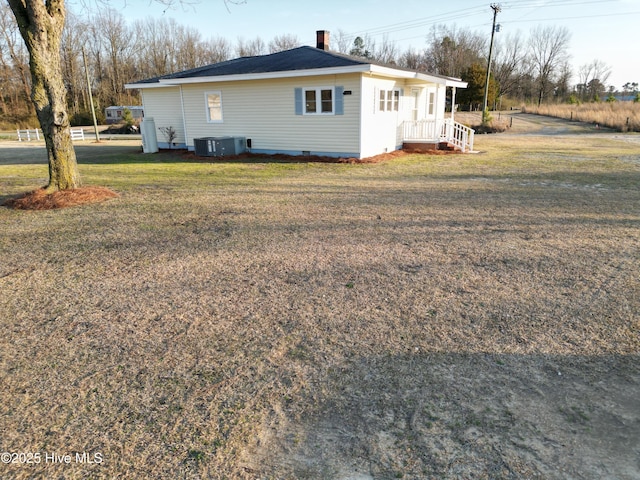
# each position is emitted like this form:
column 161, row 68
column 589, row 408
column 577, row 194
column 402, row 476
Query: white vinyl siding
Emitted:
column 382, row 115
column 265, row 112
column 165, row 107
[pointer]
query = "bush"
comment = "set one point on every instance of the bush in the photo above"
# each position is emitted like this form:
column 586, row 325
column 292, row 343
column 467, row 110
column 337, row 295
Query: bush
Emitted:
column 573, row 100
column 127, row 118
column 13, row 122
column 85, row 118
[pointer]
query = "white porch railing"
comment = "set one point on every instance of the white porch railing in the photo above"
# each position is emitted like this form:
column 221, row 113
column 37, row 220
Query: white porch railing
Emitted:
column 425, row 130
column 447, row 130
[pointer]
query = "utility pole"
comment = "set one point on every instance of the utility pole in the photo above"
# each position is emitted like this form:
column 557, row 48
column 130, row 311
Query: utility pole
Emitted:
column 93, row 110
column 485, row 109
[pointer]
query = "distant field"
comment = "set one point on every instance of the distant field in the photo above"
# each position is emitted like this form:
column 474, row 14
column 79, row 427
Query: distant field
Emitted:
column 450, row 316
column 622, row 116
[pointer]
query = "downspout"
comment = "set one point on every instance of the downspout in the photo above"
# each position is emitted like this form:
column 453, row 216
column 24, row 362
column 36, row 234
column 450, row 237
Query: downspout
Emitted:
column 184, row 120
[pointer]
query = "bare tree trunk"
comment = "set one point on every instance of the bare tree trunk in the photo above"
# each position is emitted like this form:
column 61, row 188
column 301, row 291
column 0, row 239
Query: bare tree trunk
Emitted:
column 41, row 24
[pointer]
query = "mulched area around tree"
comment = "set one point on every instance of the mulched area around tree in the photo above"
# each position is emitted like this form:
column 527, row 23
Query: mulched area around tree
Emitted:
column 40, row 200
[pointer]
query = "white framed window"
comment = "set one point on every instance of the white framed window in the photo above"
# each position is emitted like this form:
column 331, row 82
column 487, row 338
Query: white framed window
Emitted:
column 432, row 103
column 388, row 100
column 214, row 106
column 319, row 101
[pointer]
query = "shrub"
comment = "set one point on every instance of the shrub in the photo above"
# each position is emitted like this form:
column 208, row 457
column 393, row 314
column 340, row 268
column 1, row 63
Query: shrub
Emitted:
column 127, row 118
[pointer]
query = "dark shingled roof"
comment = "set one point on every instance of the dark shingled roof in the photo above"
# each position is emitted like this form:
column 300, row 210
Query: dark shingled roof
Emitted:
column 301, row 58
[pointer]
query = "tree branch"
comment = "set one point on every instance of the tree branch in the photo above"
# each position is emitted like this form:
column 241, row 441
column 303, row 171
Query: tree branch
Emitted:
column 20, row 11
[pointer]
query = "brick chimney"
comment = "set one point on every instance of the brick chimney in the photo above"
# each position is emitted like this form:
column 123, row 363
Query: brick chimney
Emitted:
column 322, row 40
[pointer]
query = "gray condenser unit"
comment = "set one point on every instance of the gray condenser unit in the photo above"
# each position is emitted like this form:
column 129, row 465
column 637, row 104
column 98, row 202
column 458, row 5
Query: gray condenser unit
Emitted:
column 219, row 146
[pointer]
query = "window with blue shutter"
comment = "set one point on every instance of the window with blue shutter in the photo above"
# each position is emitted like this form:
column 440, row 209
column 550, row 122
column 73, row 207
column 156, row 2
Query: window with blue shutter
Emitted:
column 298, row 100
column 319, row 101
column 339, row 100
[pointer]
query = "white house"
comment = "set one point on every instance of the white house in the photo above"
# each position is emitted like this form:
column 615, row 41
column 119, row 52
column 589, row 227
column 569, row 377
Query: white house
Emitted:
column 305, row 101
column 114, row 114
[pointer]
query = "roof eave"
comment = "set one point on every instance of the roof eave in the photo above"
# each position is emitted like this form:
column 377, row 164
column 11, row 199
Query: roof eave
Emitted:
column 446, row 81
column 439, row 80
column 360, row 68
column 137, row 86
column 167, row 82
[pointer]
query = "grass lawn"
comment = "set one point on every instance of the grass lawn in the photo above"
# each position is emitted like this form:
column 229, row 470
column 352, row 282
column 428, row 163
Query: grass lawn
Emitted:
column 457, row 316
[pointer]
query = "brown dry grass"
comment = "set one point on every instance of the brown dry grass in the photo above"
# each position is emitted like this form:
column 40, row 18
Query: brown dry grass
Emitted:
column 463, row 316
column 41, row 200
column 622, row 116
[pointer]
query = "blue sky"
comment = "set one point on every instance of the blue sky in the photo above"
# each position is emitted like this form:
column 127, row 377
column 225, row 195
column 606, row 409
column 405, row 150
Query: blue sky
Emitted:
column 606, row 30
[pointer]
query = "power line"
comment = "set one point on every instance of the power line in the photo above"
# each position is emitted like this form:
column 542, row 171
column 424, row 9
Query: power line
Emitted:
column 574, row 17
column 418, row 22
column 474, row 11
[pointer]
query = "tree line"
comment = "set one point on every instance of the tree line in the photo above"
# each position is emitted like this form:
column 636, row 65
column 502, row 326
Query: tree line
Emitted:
column 535, row 69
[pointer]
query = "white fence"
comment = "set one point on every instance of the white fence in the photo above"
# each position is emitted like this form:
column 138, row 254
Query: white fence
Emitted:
column 77, row 134
column 28, row 135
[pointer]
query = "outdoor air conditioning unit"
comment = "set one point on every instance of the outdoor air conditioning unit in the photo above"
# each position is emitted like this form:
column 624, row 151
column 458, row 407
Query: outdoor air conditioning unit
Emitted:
column 241, row 144
column 219, row 146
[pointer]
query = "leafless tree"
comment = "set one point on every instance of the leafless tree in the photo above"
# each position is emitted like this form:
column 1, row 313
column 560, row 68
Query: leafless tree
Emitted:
column 73, row 36
column 216, row 49
column 509, row 66
column 188, row 48
column 413, row 59
column 548, row 47
column 280, row 43
column 154, row 38
column 117, row 43
column 562, row 87
column 592, row 79
column 250, row 48
column 386, row 52
column 341, row 42
column 451, row 51
column 14, row 57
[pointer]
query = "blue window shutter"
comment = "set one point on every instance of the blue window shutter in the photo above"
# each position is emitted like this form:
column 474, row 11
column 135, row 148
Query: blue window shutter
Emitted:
column 298, row 98
column 339, row 100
